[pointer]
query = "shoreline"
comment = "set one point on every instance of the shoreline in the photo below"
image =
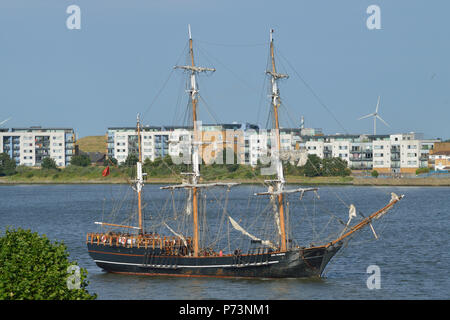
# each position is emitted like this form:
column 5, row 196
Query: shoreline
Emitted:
column 347, row 181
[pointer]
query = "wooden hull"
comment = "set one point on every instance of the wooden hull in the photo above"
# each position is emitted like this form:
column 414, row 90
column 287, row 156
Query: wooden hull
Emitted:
column 295, row 263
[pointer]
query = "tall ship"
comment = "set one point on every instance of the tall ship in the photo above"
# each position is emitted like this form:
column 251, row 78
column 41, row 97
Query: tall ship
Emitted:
column 133, row 249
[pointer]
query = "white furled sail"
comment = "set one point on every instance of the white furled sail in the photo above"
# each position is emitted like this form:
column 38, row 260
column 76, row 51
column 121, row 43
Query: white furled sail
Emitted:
column 177, row 234
column 352, row 212
column 275, row 209
column 351, row 215
column 394, row 197
column 189, row 203
column 239, row 228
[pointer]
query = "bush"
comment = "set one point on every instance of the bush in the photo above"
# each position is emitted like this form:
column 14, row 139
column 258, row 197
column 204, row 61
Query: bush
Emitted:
column 422, row 170
column 374, row 174
column 32, row 267
column 48, row 163
column 81, row 161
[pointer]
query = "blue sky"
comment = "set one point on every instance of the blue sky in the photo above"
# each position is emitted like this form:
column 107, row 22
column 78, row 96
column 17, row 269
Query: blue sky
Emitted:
column 116, row 65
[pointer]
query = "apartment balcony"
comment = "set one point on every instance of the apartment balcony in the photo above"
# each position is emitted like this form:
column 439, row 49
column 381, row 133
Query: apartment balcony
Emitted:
column 395, row 164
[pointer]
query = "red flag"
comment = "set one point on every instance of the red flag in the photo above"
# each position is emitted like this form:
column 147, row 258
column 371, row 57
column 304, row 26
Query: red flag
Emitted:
column 105, row 172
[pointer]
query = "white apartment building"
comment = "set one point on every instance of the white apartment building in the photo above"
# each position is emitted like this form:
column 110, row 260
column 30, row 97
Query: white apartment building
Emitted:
column 396, row 153
column 123, row 141
column 29, row 146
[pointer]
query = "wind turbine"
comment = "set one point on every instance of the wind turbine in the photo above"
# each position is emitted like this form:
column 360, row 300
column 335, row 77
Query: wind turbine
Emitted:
column 375, row 116
column 1, row 123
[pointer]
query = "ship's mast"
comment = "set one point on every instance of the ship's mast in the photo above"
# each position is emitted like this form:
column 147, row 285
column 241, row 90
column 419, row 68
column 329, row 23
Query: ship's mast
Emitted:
column 140, row 176
column 195, row 175
column 279, row 166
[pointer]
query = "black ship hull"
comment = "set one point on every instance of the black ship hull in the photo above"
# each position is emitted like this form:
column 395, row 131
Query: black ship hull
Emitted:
column 294, row 263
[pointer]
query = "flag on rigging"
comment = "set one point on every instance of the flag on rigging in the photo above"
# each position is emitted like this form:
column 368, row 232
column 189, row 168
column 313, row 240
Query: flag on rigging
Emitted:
column 105, row 172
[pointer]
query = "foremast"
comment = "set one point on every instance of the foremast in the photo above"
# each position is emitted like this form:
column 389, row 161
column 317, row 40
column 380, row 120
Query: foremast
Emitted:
column 139, row 175
column 280, row 182
column 138, row 185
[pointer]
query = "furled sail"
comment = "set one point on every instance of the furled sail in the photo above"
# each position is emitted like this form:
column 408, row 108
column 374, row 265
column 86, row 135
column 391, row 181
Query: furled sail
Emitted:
column 351, row 215
column 275, row 209
column 177, row 234
column 352, row 211
column 394, row 198
column 188, row 208
column 239, row 228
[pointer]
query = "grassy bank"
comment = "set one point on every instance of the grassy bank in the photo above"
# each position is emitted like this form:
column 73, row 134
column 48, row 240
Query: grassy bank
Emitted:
column 93, row 175
column 403, row 182
column 75, row 174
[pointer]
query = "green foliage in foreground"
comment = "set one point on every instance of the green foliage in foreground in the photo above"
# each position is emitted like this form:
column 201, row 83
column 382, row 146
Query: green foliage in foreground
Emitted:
column 33, row 268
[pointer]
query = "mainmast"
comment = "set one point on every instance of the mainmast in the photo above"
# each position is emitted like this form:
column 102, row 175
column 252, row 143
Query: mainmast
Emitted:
column 195, row 175
column 279, row 166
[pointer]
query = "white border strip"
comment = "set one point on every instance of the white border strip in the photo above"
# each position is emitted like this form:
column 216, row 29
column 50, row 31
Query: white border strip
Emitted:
column 178, row 266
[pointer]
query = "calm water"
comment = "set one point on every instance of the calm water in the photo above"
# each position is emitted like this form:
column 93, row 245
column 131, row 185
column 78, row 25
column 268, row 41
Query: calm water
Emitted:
column 412, row 252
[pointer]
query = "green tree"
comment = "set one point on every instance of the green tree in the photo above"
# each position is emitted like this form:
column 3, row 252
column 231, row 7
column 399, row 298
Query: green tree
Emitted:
column 81, row 160
column 7, row 165
column 312, row 168
column 374, row 174
column 335, row 167
column 48, row 163
column 222, row 158
column 110, row 161
column 34, row 268
column 131, row 160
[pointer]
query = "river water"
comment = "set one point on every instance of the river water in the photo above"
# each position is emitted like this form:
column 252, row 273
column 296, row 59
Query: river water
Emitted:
column 412, row 252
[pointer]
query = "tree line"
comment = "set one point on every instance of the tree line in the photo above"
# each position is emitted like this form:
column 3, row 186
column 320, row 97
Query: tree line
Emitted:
column 164, row 166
